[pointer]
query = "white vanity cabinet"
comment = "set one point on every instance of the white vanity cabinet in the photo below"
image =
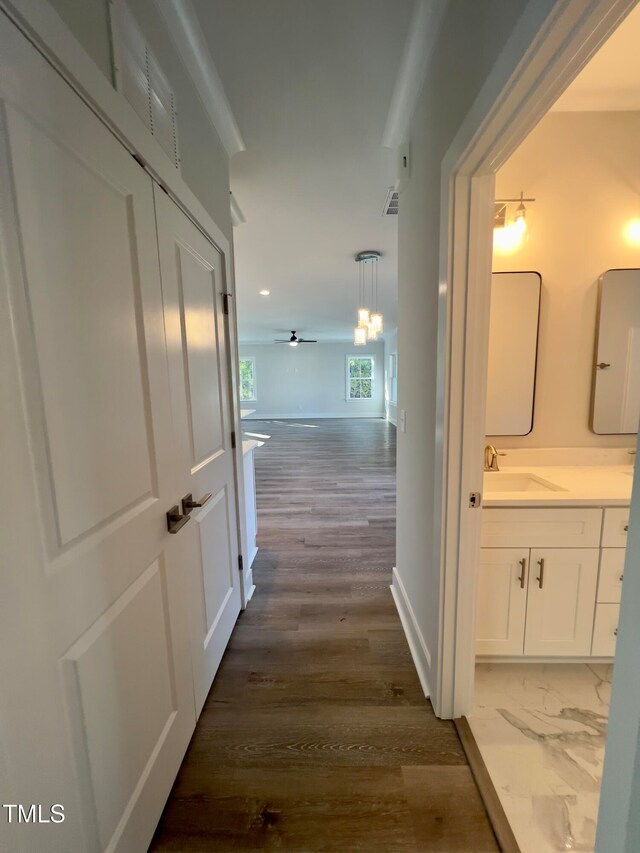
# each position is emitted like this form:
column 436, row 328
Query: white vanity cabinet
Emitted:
column 536, row 602
column 546, row 585
column 614, row 540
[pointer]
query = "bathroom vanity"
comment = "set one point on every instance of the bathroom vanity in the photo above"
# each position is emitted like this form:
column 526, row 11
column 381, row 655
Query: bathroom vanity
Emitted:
column 552, row 557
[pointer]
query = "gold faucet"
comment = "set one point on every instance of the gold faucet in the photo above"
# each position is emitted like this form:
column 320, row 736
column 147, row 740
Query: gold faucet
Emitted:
column 491, row 458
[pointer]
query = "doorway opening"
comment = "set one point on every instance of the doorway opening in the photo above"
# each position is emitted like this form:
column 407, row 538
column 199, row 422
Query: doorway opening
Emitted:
column 523, row 658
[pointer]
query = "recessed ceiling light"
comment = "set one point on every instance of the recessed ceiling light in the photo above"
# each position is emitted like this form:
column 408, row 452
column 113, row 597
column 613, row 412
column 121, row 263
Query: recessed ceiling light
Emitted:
column 265, row 293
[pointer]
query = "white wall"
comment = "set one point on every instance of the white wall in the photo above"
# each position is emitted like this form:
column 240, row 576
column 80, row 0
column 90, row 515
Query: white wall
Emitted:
column 582, row 169
column 204, row 162
column 471, row 37
column 309, row 381
column 390, row 346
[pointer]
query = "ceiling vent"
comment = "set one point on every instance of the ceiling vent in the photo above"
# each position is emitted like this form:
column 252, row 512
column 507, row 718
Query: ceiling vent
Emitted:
column 142, row 81
column 391, row 203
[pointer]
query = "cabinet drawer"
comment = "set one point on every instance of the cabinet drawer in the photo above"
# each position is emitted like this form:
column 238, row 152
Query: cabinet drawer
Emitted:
column 541, row 528
column 604, row 630
column 610, row 578
column 614, row 529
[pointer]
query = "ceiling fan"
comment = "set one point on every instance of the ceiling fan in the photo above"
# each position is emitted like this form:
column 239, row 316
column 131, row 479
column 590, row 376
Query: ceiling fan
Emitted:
column 294, row 340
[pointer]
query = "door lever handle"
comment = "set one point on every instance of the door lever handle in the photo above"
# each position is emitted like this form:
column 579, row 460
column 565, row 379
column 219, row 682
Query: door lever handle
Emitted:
column 188, row 502
column 175, row 521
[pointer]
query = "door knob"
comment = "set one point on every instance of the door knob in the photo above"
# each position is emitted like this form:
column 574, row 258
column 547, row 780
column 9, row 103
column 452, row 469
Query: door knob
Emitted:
column 188, row 502
column 602, row 365
column 175, row 521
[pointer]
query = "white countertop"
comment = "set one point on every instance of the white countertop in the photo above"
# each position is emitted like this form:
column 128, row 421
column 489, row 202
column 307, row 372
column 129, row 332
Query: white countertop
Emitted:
column 249, row 444
column 579, row 485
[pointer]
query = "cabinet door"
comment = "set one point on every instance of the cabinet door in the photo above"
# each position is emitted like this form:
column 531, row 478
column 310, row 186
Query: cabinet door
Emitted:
column 615, row 527
column 611, row 574
column 561, row 601
column 605, row 630
column 502, row 601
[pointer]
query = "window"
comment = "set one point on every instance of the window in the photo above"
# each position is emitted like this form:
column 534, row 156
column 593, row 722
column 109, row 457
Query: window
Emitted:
column 248, row 379
column 393, row 378
column 359, row 377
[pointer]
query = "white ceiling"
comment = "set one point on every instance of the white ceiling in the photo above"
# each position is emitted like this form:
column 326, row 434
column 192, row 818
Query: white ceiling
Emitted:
column 611, row 80
column 309, row 83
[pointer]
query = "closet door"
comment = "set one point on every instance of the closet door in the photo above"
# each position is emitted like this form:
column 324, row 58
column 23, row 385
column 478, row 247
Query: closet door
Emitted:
column 96, row 705
column 193, row 286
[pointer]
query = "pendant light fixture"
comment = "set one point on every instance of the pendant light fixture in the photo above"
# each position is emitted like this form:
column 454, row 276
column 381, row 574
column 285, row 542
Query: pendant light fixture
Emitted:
column 370, row 322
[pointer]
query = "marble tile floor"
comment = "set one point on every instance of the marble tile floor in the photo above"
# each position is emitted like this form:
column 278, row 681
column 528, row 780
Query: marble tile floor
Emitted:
column 541, row 731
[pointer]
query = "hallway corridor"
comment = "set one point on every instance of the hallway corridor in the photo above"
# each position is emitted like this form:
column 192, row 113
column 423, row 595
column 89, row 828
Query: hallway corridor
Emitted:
column 316, row 735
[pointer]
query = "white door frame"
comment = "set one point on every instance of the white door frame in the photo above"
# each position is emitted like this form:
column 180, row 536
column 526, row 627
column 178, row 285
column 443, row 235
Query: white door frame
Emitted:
column 527, row 78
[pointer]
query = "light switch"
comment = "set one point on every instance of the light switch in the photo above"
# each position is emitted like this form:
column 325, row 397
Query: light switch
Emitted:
column 403, row 420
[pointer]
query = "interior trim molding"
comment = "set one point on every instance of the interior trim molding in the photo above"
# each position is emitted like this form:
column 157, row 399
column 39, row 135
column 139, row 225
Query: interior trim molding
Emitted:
column 421, row 39
column 417, row 646
column 237, row 216
column 495, row 812
column 186, row 33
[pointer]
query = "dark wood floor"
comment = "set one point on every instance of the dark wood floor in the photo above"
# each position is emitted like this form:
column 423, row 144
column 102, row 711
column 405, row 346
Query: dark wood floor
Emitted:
column 316, row 735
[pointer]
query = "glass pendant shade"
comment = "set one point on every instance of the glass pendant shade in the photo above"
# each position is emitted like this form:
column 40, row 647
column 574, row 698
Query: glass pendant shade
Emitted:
column 363, row 318
column 372, row 334
column 359, row 336
column 377, row 322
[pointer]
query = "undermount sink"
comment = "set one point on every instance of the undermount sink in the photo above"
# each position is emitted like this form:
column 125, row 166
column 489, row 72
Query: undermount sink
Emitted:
column 505, row 481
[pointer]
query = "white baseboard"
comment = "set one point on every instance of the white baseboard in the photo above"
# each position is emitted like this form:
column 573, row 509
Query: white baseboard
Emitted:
column 417, row 646
column 297, row 416
column 522, row 659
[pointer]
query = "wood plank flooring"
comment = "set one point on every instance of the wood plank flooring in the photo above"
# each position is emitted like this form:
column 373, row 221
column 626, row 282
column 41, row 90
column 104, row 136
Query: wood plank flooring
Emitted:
column 316, row 735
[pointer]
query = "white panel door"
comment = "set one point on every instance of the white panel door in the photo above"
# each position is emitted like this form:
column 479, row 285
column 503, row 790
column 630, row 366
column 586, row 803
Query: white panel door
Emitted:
column 561, row 601
column 96, row 705
column 502, row 601
column 193, row 286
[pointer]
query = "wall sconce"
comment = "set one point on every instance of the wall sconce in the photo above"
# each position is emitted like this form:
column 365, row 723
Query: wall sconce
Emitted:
column 509, row 235
column 632, row 232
